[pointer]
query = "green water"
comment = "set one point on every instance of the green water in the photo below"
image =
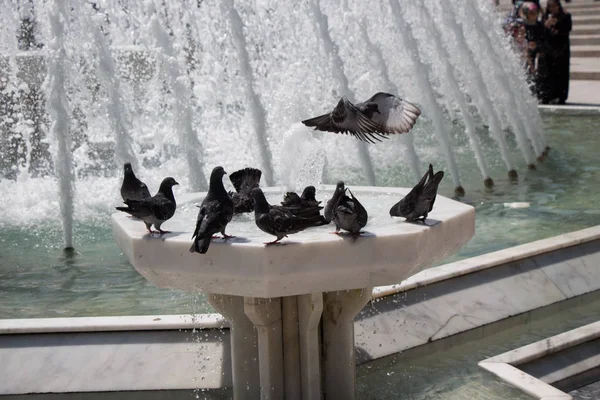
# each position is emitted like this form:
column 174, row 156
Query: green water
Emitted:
column 38, row 280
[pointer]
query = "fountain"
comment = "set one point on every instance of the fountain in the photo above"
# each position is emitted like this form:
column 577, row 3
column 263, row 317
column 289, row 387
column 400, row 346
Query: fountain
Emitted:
column 177, row 88
column 228, row 84
column 292, row 306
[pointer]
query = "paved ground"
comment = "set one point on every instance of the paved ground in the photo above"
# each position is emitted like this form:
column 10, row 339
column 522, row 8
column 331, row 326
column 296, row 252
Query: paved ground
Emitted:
column 585, row 50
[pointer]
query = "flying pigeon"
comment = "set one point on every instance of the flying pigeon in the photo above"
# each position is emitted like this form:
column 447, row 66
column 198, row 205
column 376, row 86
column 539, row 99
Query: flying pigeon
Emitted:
column 244, row 181
column 154, row 210
column 132, row 188
column 349, row 214
column 381, row 115
column 419, row 201
column 276, row 220
column 340, row 190
column 215, row 213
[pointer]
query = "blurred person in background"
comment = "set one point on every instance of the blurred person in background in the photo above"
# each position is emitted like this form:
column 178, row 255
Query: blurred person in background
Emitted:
column 557, row 24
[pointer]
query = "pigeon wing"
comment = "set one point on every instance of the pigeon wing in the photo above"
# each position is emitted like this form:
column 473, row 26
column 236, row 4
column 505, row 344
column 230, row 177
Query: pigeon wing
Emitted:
column 395, row 114
column 361, row 212
column 346, row 118
column 161, row 207
column 430, row 190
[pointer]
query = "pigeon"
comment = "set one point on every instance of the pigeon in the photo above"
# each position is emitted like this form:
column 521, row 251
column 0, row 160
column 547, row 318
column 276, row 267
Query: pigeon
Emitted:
column 419, row 202
column 244, row 181
column 305, row 206
column 276, row 220
column 132, row 188
column 154, row 210
column 309, row 196
column 349, row 214
column 215, row 213
column 337, row 194
column 381, row 115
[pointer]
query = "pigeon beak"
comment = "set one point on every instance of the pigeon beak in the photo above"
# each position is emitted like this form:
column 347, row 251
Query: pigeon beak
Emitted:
column 176, row 183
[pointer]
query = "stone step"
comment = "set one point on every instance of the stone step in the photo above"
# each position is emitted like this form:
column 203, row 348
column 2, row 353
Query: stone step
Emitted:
column 583, row 40
column 585, row 51
column 581, row 4
column 585, row 30
column 583, row 68
column 586, row 20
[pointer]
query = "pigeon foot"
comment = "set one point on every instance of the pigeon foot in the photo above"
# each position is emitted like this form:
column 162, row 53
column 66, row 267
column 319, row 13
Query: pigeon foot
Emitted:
column 161, row 232
column 226, row 236
column 276, row 241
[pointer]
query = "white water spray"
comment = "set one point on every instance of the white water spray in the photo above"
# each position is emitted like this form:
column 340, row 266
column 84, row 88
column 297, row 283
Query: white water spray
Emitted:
column 337, row 64
column 407, row 138
column 421, row 72
column 253, row 98
column 117, row 111
column 486, row 108
column 58, row 108
column 188, row 139
column 450, row 75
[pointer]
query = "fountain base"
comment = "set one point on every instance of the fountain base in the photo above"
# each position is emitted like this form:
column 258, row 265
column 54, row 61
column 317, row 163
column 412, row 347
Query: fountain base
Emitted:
column 273, row 338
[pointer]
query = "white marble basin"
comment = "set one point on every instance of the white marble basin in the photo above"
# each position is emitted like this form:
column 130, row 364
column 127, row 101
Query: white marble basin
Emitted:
column 312, row 261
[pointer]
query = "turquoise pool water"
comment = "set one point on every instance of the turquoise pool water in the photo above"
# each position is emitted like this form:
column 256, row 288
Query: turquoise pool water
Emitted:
column 37, row 279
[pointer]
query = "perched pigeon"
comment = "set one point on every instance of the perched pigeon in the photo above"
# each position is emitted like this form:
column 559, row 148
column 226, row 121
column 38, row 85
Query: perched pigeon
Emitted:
column 340, row 190
column 349, row 214
column 215, row 213
column 380, row 115
column 309, row 196
column 132, row 188
column 244, row 181
column 419, row 202
column 303, row 206
column 154, row 210
column 276, row 220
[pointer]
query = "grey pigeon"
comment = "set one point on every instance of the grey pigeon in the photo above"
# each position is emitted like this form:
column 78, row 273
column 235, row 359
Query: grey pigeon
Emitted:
column 215, row 213
column 340, row 190
column 381, row 115
column 132, row 188
column 276, row 220
column 244, row 181
column 419, row 201
column 349, row 214
column 154, row 210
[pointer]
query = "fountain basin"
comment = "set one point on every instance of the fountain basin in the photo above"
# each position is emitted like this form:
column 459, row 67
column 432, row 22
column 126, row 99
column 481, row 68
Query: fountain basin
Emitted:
column 312, row 261
column 292, row 306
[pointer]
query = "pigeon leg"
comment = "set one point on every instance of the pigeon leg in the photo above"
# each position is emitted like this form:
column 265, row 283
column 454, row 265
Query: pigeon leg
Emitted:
column 226, row 236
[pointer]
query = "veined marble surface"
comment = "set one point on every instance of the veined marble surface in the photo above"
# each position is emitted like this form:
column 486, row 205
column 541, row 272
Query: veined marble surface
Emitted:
column 311, row 261
column 169, row 358
column 426, row 313
column 533, row 368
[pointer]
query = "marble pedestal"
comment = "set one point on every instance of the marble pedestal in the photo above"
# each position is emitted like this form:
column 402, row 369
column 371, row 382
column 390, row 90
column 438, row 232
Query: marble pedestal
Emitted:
column 280, row 350
column 292, row 306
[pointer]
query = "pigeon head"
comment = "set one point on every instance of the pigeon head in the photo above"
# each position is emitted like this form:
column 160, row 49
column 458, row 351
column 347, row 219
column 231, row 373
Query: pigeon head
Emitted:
column 261, row 205
column 216, row 180
column 340, row 186
column 127, row 168
column 309, row 193
column 168, row 183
